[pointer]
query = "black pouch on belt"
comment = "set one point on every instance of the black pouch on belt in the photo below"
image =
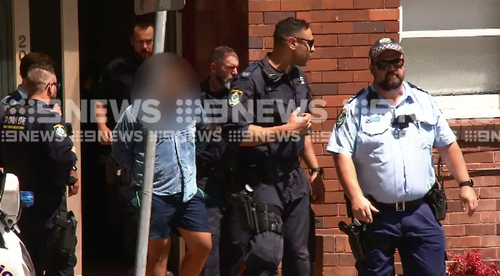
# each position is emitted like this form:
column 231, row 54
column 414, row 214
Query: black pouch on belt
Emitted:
column 436, row 197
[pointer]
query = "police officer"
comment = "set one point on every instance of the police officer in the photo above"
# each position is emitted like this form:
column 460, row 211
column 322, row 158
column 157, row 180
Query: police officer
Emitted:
column 36, row 147
column 270, row 141
column 214, row 168
column 382, row 144
column 114, row 90
column 20, row 93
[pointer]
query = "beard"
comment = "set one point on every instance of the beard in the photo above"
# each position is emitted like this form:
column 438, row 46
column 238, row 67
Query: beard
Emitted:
column 390, row 83
column 226, row 82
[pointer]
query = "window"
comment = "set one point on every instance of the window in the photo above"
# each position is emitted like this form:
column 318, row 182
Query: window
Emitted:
column 452, row 49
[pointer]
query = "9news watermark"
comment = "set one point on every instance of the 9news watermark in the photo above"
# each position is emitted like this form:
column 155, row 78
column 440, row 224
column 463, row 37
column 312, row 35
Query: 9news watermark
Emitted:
column 481, row 136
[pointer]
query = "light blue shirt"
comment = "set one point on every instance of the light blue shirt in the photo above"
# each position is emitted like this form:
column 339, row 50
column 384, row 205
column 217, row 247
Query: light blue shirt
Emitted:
column 175, row 164
column 392, row 165
column 7, row 101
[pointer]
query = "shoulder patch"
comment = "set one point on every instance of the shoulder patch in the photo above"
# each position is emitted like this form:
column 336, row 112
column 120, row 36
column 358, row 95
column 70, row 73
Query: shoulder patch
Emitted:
column 341, row 118
column 60, row 131
column 416, row 87
column 249, row 69
column 235, row 97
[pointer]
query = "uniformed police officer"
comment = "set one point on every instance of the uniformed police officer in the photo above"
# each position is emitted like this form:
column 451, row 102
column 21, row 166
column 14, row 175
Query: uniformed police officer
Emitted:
column 114, row 90
column 382, row 145
column 37, row 149
column 270, row 141
column 213, row 169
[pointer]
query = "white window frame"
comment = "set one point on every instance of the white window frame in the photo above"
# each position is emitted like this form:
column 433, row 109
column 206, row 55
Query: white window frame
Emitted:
column 459, row 106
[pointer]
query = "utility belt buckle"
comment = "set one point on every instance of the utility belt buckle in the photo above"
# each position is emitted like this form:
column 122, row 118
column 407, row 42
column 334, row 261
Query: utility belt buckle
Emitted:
column 400, row 206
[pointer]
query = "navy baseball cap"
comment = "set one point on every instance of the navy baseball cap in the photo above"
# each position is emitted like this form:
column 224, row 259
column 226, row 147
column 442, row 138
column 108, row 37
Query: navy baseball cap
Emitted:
column 385, row 44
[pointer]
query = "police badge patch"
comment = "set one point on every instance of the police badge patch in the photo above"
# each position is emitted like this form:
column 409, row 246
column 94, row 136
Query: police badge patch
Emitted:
column 340, row 120
column 235, row 97
column 60, row 131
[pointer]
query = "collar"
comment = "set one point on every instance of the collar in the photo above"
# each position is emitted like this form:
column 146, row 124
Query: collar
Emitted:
column 21, row 90
column 273, row 74
column 405, row 98
column 205, row 86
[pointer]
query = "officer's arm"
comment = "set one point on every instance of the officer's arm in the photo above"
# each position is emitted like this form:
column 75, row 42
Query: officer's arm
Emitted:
column 308, row 154
column 239, row 127
column 342, row 145
column 123, row 149
column 60, row 148
column 102, row 95
column 202, row 126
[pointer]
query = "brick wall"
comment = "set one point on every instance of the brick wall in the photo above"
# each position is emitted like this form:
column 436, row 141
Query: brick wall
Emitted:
column 344, row 31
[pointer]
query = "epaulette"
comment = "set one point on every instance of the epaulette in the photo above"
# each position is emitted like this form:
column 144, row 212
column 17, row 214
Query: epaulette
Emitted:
column 249, row 69
column 356, row 95
column 418, row 88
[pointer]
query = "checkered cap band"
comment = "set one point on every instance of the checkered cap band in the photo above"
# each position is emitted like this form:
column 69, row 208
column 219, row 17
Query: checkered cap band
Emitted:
column 378, row 49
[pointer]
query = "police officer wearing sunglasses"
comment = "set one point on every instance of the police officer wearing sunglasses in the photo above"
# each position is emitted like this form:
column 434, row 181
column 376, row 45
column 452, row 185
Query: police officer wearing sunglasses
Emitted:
column 382, row 145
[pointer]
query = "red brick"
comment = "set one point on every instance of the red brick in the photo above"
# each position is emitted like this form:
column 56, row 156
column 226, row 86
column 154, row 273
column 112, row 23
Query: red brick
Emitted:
column 333, row 222
column 346, row 260
column 316, row 4
column 451, row 193
column 315, row 77
column 325, row 40
column 332, row 28
column 369, row 27
column 331, row 185
column 392, row 3
column 480, row 229
column 330, row 173
column 340, row 270
column 325, row 161
column 322, row 210
column 268, row 42
column 490, row 241
column 328, row 244
column 488, row 253
column 324, row 89
column 266, row 30
column 342, row 210
column 321, row 65
column 340, row 243
column 484, row 181
column 304, row 15
column 363, row 76
column 275, row 17
column 337, row 52
column 454, row 230
column 324, row 16
column 334, row 197
column 353, row 64
column 361, row 51
column 368, row 4
column 352, row 15
column 338, row 76
column 392, row 26
column 491, row 192
column 337, row 4
column 296, row 5
column 463, row 218
column 490, row 217
column 255, row 42
column 255, row 18
column 318, row 149
column 336, row 100
column 455, row 242
column 330, row 259
column 354, row 40
column 255, row 54
column 381, row 15
column 264, row 5
column 351, row 88
column 374, row 37
column 328, row 125
column 479, row 157
column 487, row 205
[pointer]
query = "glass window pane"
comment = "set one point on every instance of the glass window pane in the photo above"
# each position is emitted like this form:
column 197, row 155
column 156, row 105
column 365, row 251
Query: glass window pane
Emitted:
column 454, row 65
column 424, row 15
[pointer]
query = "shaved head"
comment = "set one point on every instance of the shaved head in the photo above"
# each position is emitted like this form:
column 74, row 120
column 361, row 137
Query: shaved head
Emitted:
column 38, row 79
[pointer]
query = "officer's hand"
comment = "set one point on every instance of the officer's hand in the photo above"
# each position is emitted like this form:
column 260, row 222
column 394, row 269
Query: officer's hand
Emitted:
column 105, row 135
column 299, row 123
column 468, row 199
column 73, row 190
column 362, row 209
column 317, row 189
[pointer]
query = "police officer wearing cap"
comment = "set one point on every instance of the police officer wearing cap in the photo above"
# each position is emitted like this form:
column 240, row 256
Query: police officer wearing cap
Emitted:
column 382, row 145
column 269, row 122
column 35, row 146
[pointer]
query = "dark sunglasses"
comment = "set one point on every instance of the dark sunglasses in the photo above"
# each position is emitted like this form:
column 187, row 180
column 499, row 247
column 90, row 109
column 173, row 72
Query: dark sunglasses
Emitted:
column 310, row 42
column 384, row 65
column 57, row 84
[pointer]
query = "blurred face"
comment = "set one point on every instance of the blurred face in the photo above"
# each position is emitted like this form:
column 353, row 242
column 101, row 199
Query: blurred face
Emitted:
column 302, row 46
column 142, row 41
column 226, row 70
column 388, row 70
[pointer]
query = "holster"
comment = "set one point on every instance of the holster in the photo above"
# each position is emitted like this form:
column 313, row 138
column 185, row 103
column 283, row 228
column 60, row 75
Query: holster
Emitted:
column 436, row 199
column 62, row 236
column 257, row 217
column 356, row 232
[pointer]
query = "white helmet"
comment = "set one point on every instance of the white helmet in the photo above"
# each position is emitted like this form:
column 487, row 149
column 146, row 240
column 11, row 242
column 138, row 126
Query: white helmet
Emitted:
column 14, row 258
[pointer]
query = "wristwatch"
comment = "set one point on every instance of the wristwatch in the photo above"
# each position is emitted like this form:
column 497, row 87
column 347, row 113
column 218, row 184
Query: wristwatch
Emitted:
column 466, row 183
column 318, row 169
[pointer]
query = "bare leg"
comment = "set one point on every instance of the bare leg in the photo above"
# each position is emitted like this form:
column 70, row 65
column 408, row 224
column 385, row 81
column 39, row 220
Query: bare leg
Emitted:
column 198, row 245
column 158, row 251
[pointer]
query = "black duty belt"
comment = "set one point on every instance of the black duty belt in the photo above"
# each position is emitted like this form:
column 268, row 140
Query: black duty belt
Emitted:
column 287, row 166
column 402, row 205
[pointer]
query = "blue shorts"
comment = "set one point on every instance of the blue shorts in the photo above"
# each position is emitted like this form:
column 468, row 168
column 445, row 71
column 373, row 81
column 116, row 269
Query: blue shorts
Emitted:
column 169, row 212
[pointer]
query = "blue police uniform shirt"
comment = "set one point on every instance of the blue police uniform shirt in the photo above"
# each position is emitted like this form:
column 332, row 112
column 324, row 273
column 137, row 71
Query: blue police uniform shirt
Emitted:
column 13, row 98
column 393, row 164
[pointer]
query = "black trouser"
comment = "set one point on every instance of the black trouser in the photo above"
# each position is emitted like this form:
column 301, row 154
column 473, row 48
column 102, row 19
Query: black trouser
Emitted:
column 268, row 249
column 227, row 253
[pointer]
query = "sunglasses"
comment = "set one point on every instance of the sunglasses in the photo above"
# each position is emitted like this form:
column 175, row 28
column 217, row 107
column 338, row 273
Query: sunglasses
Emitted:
column 57, row 84
column 310, row 42
column 384, row 65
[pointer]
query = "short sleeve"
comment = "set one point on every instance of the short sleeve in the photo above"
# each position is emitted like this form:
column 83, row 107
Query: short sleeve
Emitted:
column 240, row 105
column 444, row 134
column 343, row 137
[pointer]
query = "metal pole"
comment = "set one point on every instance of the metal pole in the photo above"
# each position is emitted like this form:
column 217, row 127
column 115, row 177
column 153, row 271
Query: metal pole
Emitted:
column 149, row 163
